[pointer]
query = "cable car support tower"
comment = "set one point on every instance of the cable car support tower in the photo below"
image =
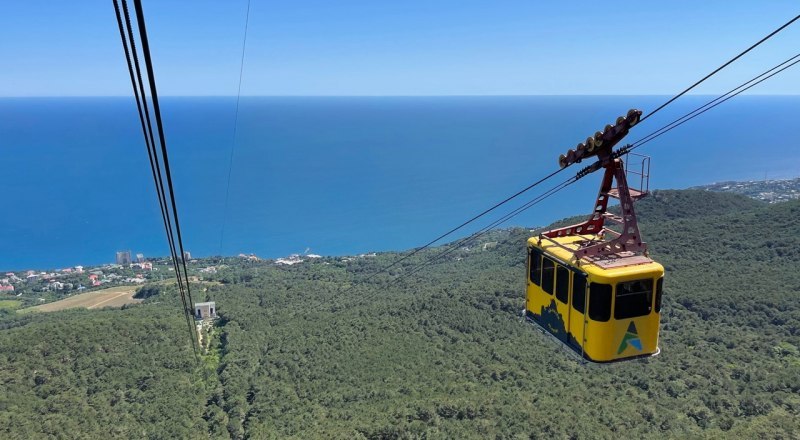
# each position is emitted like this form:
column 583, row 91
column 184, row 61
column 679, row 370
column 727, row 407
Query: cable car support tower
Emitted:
column 603, row 243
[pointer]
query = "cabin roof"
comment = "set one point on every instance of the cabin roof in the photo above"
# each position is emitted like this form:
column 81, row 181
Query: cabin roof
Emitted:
column 619, row 264
column 210, row 303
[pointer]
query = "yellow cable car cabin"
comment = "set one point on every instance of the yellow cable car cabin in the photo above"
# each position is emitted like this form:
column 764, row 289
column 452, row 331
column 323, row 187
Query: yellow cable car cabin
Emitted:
column 623, row 297
column 594, row 287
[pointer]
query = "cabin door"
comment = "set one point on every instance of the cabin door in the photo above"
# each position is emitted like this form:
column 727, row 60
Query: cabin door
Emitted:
column 577, row 306
column 562, row 289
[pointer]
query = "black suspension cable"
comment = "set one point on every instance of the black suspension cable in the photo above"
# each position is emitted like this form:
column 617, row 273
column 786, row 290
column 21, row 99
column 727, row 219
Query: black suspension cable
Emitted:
column 157, row 110
column 235, row 125
column 722, row 67
column 691, row 115
column 139, row 108
column 476, row 217
column 144, row 118
column 478, row 234
column 651, row 113
column 154, row 162
column 486, row 229
column 709, row 108
column 556, row 172
column 182, row 288
column 665, row 129
column 679, row 121
column 146, row 126
column 156, row 167
column 148, row 136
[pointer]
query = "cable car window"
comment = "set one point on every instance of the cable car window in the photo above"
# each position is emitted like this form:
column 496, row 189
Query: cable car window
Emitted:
column 634, row 298
column 562, row 284
column 548, row 267
column 536, row 267
column 578, row 291
column 599, row 302
column 659, row 289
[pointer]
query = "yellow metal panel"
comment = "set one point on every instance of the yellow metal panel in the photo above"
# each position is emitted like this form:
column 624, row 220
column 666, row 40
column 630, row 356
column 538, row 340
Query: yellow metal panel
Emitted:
column 576, row 323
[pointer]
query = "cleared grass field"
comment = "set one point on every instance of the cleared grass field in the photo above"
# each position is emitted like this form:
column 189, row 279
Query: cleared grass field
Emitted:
column 10, row 304
column 111, row 297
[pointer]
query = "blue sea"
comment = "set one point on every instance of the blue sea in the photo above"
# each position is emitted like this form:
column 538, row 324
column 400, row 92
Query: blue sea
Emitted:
column 336, row 176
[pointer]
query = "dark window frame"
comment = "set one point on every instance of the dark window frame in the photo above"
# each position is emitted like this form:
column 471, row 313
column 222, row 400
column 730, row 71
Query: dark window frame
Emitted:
column 633, row 299
column 537, row 255
column 562, row 276
column 579, row 295
column 548, row 275
column 659, row 293
column 600, row 302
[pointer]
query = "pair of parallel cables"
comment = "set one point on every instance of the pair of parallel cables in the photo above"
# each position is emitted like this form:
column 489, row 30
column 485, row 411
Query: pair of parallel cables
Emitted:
column 159, row 158
column 680, row 121
column 676, row 123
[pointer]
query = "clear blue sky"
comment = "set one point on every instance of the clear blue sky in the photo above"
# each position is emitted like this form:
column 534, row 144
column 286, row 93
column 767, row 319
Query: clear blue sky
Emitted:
column 410, row 47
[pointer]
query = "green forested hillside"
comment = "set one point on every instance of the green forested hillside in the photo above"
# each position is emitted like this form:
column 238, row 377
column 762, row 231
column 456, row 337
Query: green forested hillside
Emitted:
column 97, row 374
column 320, row 349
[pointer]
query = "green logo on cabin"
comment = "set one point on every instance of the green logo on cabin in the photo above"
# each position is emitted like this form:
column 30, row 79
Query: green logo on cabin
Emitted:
column 631, row 339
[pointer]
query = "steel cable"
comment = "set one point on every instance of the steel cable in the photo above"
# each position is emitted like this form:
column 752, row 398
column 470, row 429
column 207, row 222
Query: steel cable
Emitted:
column 235, row 126
column 126, row 34
column 771, row 34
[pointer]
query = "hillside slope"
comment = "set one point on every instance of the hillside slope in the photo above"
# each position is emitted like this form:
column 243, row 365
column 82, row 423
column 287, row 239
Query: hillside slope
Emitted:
column 323, row 350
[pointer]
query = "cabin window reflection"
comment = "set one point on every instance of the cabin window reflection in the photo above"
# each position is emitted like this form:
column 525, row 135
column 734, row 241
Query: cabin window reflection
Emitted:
column 599, row 302
column 659, row 290
column 562, row 284
column 536, row 267
column 548, row 275
column 634, row 298
column 578, row 292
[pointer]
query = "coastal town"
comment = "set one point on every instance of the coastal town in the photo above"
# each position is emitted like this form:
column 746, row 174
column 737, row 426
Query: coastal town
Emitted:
column 55, row 284
column 36, row 287
column 770, row 191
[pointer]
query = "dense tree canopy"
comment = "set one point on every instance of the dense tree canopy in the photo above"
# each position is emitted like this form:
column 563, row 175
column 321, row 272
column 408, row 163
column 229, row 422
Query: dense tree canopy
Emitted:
column 323, row 349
